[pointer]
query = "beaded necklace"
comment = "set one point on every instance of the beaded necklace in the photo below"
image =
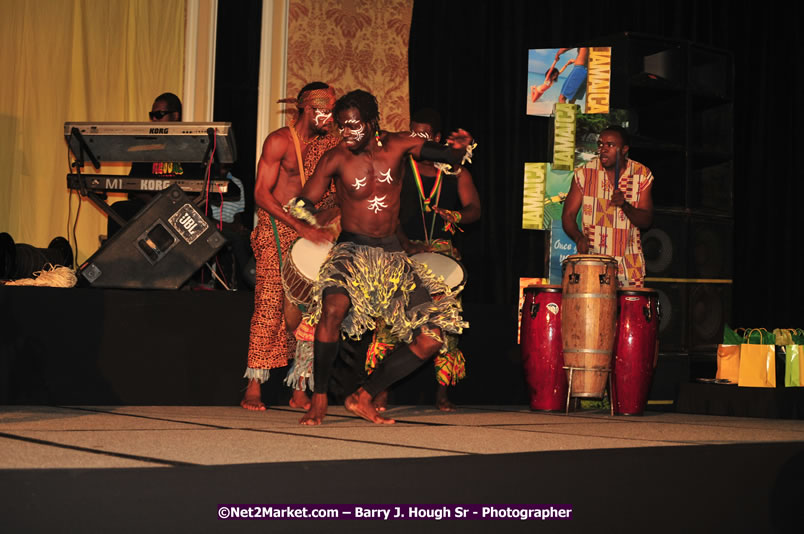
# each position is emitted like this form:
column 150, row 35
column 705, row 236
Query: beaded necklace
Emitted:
column 426, row 202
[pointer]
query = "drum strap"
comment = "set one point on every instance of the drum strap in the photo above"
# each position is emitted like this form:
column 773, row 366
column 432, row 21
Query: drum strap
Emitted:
column 295, row 136
column 302, row 177
column 278, row 243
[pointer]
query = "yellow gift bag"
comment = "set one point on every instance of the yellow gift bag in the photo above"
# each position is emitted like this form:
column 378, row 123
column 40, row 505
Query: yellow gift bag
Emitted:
column 757, row 360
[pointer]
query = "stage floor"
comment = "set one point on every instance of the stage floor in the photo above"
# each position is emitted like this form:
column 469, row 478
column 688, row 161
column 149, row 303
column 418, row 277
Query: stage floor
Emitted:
column 157, row 436
column 169, row 469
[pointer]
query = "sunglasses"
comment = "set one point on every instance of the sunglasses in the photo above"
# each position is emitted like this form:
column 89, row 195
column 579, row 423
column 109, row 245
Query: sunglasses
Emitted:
column 157, row 115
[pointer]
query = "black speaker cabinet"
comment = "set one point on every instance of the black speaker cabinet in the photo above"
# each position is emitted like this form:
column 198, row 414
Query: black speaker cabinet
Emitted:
column 673, row 335
column 711, row 245
column 684, row 245
column 665, row 245
column 693, row 315
column 711, row 188
column 160, row 248
column 709, row 310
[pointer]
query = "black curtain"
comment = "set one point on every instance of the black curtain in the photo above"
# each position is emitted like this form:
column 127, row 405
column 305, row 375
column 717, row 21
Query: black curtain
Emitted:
column 237, row 70
column 468, row 59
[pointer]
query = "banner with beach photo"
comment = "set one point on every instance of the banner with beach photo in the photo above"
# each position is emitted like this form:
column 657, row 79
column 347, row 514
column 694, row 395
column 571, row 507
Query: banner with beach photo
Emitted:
column 580, row 75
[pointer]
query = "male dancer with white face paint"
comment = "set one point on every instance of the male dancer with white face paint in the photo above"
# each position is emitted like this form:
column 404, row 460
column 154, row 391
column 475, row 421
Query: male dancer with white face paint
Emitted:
column 368, row 275
column 289, row 155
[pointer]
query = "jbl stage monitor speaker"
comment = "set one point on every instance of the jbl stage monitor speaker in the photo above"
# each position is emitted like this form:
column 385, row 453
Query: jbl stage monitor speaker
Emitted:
column 160, row 248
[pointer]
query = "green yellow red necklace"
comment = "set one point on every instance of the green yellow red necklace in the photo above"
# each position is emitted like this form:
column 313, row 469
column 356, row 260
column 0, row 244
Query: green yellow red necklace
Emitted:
column 426, row 202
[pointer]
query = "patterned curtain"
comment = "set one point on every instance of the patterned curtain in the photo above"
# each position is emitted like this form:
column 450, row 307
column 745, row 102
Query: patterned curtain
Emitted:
column 353, row 44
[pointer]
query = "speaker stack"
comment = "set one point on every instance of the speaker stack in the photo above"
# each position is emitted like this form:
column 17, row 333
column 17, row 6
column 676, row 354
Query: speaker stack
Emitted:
column 160, row 248
column 680, row 97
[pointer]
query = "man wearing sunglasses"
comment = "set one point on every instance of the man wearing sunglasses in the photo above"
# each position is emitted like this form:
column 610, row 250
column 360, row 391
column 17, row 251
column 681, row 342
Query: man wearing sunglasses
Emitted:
column 166, row 108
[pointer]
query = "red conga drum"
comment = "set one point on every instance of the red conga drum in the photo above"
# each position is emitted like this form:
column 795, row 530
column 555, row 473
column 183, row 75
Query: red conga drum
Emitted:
column 588, row 321
column 636, row 350
column 540, row 342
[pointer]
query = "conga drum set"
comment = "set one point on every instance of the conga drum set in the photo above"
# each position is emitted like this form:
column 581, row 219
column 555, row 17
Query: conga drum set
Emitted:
column 636, row 350
column 540, row 339
column 584, row 336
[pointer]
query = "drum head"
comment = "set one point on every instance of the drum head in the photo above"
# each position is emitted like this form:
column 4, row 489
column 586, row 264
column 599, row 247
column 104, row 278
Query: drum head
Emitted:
column 543, row 289
column 644, row 291
column 589, row 258
column 308, row 257
column 443, row 265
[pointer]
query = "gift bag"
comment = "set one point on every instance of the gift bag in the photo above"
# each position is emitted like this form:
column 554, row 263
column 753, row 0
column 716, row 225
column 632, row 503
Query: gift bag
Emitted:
column 728, row 356
column 794, row 351
column 792, row 366
column 786, row 357
column 757, row 360
column 728, row 363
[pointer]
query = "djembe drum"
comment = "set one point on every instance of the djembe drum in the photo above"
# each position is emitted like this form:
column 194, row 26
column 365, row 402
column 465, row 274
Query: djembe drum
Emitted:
column 636, row 350
column 588, row 321
column 450, row 269
column 540, row 343
column 300, row 269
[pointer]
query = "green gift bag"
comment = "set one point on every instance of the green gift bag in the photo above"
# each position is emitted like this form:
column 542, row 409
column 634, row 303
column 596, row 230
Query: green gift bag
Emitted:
column 758, row 360
column 783, row 336
column 793, row 352
column 792, row 366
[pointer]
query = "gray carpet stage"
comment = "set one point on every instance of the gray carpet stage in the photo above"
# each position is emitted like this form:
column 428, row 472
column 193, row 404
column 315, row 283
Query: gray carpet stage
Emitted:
column 166, row 469
column 118, row 412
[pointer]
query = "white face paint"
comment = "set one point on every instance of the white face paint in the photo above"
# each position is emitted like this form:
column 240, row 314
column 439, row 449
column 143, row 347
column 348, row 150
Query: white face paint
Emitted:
column 357, row 130
column 423, row 135
column 386, row 177
column 376, row 204
column 322, row 117
column 359, row 183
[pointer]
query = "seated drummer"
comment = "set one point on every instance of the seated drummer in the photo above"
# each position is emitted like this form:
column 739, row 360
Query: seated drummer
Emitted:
column 615, row 193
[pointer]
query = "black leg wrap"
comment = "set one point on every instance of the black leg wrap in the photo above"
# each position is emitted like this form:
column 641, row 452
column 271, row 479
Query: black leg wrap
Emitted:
column 395, row 366
column 349, row 372
column 324, row 354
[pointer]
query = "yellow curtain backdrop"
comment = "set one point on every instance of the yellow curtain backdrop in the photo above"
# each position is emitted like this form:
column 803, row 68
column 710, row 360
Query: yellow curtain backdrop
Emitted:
column 74, row 60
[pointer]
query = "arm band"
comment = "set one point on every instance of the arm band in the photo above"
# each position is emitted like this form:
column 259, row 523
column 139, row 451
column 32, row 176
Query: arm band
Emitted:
column 432, row 151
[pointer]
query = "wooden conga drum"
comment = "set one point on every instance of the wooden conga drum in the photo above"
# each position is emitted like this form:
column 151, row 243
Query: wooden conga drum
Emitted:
column 636, row 350
column 588, row 321
column 540, row 343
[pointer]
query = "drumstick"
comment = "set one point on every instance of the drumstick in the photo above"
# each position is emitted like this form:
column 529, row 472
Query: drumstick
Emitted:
column 617, row 169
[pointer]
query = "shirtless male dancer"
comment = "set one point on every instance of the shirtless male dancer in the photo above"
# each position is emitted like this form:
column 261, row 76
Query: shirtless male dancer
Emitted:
column 368, row 275
column 278, row 180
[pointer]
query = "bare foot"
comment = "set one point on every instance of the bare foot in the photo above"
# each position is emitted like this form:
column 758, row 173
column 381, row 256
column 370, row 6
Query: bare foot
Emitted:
column 359, row 403
column 442, row 402
column 317, row 410
column 252, row 398
column 381, row 401
column 300, row 400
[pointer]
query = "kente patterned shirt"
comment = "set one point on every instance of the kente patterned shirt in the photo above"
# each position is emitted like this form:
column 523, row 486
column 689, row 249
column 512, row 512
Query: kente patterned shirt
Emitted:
column 609, row 231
